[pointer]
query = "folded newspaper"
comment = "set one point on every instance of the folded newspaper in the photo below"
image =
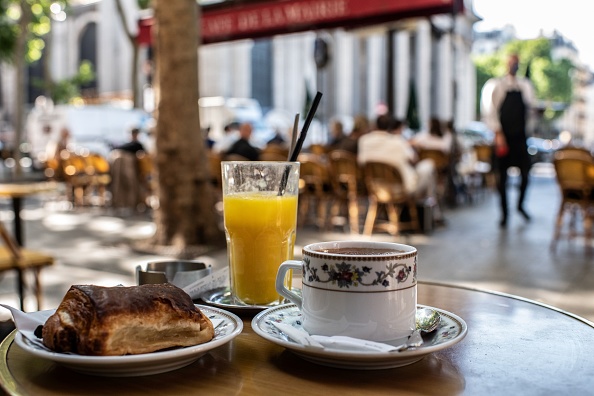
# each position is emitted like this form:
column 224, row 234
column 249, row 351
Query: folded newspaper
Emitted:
column 215, row 280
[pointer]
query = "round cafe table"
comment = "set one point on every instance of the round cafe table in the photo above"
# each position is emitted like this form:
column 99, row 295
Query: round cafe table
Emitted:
column 513, row 346
column 16, row 191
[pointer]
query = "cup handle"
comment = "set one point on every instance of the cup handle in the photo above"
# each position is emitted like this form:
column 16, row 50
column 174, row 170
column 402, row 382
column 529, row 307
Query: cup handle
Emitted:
column 280, row 281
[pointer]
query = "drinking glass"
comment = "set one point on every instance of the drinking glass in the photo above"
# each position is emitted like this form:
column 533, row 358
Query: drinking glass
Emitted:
column 260, row 214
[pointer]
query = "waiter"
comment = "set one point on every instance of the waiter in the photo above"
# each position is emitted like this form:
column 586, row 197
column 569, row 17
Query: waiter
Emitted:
column 506, row 102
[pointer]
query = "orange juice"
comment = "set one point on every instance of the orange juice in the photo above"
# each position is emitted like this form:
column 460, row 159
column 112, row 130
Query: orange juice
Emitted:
column 260, row 229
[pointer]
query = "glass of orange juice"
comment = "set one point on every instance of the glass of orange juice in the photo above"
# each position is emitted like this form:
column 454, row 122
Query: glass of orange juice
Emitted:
column 260, row 214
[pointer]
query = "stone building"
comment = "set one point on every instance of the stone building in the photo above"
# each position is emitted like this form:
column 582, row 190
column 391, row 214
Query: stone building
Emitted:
column 368, row 66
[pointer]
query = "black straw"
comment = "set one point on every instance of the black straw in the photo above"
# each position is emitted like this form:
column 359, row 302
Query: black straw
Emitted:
column 300, row 140
column 308, row 120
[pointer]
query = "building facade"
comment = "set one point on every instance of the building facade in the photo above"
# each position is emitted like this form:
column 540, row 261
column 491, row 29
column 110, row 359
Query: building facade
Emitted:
column 367, row 69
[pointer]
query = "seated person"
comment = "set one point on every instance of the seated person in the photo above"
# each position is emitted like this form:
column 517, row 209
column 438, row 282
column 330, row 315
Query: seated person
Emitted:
column 435, row 138
column 134, row 145
column 360, row 128
column 387, row 145
column 243, row 146
column 337, row 135
column 231, row 135
column 278, row 139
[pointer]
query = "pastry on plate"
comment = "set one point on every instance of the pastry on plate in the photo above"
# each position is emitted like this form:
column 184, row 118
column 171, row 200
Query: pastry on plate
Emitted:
column 111, row 321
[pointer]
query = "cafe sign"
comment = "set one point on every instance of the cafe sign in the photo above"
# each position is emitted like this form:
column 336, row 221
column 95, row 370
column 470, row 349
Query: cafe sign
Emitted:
column 254, row 19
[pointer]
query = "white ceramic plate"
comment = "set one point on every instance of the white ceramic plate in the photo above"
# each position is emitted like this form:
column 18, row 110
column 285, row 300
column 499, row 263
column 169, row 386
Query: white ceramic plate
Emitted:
column 146, row 363
column 452, row 329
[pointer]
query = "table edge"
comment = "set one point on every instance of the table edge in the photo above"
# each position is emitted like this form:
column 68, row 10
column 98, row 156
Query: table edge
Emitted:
column 6, row 378
column 12, row 388
column 512, row 296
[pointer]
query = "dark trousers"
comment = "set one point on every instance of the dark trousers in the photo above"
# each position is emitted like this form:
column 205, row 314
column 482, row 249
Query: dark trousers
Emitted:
column 503, row 164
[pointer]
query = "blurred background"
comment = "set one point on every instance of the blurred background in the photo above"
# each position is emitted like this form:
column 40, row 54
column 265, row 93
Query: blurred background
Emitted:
column 81, row 75
column 89, row 66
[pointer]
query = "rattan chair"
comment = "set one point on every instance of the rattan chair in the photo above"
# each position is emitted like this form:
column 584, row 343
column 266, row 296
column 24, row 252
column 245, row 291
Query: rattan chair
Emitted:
column 346, row 180
column 274, row 152
column 314, row 189
column 385, row 187
column 575, row 177
column 15, row 258
column 272, row 156
column 234, row 157
column 442, row 167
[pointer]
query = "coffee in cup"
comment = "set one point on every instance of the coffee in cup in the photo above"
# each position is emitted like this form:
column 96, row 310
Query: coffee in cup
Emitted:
column 361, row 289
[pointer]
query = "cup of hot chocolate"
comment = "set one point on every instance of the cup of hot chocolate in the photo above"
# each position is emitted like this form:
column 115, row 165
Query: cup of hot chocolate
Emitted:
column 361, row 289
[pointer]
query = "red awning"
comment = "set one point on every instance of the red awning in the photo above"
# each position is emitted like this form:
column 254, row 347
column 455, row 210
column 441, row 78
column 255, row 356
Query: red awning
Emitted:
column 234, row 21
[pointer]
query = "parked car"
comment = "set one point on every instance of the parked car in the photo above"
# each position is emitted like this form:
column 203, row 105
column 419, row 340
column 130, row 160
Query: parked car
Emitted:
column 216, row 112
column 96, row 128
column 542, row 150
column 474, row 133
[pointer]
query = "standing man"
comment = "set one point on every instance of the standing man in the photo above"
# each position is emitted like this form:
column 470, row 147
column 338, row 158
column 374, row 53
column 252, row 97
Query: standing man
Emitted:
column 507, row 101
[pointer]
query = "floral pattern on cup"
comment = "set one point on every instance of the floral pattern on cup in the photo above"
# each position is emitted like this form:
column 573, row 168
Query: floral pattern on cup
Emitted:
column 346, row 275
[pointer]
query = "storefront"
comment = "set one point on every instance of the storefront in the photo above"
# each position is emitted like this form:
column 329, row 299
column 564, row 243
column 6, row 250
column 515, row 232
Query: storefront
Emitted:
column 234, row 20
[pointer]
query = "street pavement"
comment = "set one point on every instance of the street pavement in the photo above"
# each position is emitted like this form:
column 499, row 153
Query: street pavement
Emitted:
column 93, row 246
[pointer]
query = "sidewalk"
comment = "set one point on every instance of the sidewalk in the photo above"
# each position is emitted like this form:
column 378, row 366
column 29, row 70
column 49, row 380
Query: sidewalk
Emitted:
column 91, row 246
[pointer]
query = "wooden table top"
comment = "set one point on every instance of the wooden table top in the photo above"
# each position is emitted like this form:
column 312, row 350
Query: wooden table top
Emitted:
column 26, row 188
column 513, row 346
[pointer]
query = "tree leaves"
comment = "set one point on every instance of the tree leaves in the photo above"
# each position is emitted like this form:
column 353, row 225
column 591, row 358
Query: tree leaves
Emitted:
column 552, row 78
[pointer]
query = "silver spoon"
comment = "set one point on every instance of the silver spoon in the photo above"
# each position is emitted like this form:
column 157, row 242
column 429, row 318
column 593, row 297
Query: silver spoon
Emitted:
column 427, row 320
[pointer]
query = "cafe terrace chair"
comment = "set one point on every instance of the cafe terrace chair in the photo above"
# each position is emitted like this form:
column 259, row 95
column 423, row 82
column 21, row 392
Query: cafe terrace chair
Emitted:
column 442, row 166
column 575, row 177
column 345, row 179
column 146, row 172
column 483, row 167
column 73, row 169
column 314, row 189
column 274, row 152
column 317, row 149
column 214, row 163
column 97, row 170
column 15, row 258
column 234, row 157
column 272, row 156
column 386, row 188
column 574, row 152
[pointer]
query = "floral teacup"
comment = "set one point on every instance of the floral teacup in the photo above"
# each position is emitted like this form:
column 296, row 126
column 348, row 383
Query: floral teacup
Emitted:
column 360, row 289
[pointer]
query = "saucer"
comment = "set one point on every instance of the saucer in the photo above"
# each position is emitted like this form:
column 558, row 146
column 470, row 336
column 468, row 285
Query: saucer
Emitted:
column 221, row 298
column 452, row 329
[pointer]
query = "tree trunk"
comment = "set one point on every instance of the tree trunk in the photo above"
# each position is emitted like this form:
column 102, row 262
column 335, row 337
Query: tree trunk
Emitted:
column 135, row 88
column 20, row 66
column 135, row 55
column 48, row 80
column 186, row 214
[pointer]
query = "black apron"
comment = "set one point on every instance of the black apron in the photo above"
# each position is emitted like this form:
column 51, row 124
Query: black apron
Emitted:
column 512, row 116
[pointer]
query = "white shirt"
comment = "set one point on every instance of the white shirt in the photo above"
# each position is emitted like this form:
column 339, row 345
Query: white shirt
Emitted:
column 426, row 140
column 391, row 149
column 225, row 143
column 494, row 92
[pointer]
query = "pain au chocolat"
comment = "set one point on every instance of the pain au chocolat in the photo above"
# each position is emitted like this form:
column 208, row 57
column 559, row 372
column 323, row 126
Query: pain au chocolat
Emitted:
column 111, row 321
